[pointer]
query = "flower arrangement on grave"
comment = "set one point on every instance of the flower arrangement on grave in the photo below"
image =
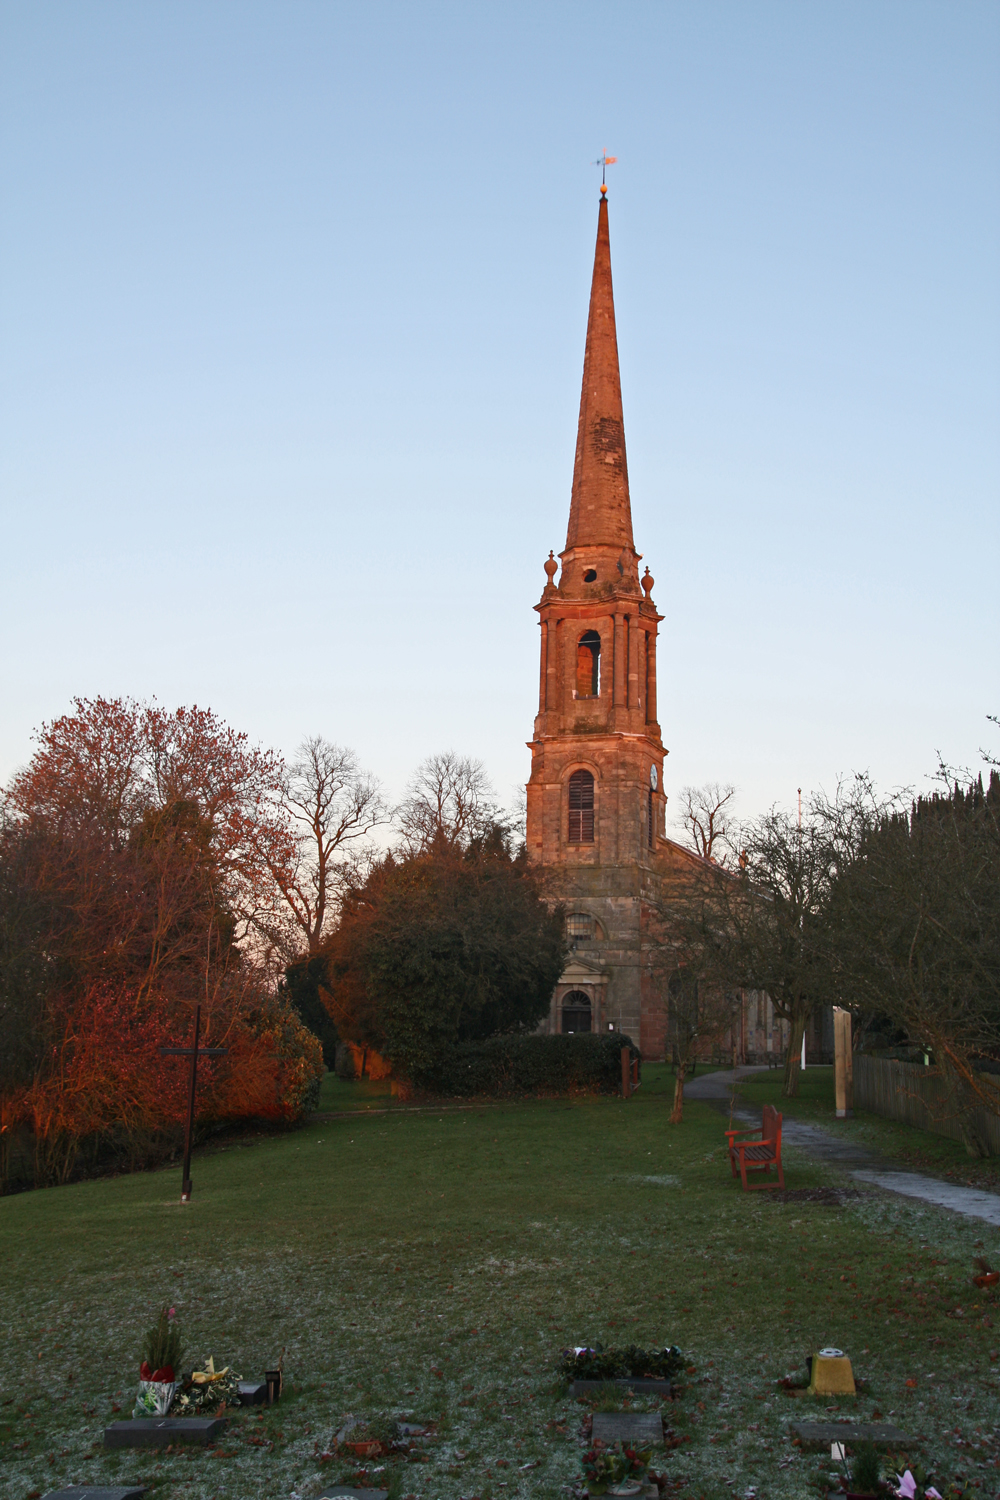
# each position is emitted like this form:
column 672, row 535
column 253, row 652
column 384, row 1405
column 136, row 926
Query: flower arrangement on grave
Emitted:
column 614, row 1468
column 913, row 1484
column 626, row 1363
column 158, row 1371
column 208, row 1390
column 862, row 1475
column 371, row 1439
column 859, row 1477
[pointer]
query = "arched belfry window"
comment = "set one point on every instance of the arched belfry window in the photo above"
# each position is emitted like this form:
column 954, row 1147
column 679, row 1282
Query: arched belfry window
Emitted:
column 576, row 1013
column 588, row 665
column 581, row 808
column 579, row 927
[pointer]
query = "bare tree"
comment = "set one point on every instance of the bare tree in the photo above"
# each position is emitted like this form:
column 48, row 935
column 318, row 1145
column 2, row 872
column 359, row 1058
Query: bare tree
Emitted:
column 333, row 806
column 681, row 961
column 449, row 799
column 705, row 815
column 771, row 928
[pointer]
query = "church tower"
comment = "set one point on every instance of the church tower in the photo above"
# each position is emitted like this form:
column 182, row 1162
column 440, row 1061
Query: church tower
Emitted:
column 596, row 810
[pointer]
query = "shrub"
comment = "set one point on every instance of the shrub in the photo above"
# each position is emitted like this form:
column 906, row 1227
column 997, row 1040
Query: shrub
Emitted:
column 273, row 1071
column 162, row 1344
column 505, row 1066
column 107, row 1099
column 303, row 984
column 866, row 1469
column 630, row 1362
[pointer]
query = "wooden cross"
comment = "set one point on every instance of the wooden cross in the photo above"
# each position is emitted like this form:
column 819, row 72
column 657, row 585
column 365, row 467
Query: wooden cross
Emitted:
column 194, row 1052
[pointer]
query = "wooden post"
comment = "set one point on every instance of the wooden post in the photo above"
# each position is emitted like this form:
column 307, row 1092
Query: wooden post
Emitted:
column 626, row 1072
column 843, row 1063
column 189, row 1129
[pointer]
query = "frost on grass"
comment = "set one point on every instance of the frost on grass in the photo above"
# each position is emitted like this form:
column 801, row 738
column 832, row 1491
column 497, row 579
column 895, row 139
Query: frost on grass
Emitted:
column 461, row 1326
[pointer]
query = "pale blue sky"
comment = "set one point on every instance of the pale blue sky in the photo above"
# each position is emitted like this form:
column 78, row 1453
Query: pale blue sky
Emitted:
column 293, row 309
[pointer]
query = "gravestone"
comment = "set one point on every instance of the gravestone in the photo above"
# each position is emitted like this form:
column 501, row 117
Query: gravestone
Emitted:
column 157, row 1432
column 346, row 1491
column 90, row 1492
column 822, row 1434
column 636, row 1383
column 641, row 1429
column 252, row 1392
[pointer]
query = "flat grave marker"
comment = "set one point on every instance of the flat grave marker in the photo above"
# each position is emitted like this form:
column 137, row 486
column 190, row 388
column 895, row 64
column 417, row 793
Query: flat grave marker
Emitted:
column 822, row 1434
column 96, row 1492
column 157, row 1432
column 624, row 1383
column 346, row 1491
column 640, row 1428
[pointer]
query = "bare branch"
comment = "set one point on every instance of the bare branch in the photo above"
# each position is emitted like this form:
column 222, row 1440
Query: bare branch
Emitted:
column 333, row 806
column 449, row 799
column 705, row 818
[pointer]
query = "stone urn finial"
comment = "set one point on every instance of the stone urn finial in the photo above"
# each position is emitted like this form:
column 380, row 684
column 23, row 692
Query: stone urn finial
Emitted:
column 647, row 583
column 551, row 569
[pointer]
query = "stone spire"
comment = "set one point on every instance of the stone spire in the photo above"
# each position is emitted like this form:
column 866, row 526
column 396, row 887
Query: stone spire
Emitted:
column 600, row 514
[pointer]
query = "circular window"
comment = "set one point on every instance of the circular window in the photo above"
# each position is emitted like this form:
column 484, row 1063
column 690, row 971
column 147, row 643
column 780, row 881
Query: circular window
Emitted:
column 590, row 576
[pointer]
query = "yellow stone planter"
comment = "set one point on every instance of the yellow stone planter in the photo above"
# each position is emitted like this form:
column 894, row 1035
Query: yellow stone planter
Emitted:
column 831, row 1374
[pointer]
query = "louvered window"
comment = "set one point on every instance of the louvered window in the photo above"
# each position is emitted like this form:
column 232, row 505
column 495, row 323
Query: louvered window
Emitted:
column 581, row 808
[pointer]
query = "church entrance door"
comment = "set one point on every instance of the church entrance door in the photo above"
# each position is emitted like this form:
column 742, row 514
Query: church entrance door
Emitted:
column 576, row 1013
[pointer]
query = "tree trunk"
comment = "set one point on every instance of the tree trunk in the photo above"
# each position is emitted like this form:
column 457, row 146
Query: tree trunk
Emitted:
column 961, row 1104
column 793, row 1062
column 677, row 1113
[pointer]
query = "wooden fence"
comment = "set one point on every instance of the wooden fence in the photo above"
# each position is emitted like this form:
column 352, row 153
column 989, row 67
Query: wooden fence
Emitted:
column 917, row 1096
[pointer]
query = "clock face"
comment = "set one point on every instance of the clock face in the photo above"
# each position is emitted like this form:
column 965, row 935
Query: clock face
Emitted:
column 652, row 777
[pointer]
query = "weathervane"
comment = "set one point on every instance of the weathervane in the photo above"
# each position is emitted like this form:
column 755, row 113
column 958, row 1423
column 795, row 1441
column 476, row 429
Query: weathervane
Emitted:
column 604, row 161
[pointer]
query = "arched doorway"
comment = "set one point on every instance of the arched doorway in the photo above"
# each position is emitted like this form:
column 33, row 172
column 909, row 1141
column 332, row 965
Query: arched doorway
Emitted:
column 576, row 1012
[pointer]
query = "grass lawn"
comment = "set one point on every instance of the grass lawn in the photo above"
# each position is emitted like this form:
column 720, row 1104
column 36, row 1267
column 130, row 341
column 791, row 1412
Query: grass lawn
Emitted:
column 436, row 1262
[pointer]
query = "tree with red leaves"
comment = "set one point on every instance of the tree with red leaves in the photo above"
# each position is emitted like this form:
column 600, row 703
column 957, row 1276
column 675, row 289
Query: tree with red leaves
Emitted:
column 138, row 852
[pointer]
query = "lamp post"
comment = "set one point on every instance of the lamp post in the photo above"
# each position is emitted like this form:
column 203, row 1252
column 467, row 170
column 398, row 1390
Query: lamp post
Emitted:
column 194, row 1052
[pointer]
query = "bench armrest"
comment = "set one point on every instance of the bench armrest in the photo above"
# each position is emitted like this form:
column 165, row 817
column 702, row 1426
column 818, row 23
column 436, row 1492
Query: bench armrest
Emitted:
column 749, row 1134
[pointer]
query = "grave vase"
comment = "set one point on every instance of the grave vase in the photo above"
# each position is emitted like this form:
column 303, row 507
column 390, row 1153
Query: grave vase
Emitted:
column 154, row 1398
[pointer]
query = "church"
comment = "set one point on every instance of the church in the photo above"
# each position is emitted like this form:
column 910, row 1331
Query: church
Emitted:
column 596, row 807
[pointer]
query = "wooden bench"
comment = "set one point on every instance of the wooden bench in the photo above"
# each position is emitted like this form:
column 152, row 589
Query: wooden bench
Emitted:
column 757, row 1150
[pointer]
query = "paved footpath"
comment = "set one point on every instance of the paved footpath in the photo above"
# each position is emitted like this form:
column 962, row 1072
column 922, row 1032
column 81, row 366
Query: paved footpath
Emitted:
column 866, row 1166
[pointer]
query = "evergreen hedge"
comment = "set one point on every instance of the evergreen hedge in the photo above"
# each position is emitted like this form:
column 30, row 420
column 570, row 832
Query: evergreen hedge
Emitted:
column 506, row 1066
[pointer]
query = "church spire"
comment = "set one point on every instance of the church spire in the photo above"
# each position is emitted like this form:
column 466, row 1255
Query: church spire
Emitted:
column 600, row 514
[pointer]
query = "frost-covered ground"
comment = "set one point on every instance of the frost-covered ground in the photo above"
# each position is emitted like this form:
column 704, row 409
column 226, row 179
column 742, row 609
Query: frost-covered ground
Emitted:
column 435, row 1265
